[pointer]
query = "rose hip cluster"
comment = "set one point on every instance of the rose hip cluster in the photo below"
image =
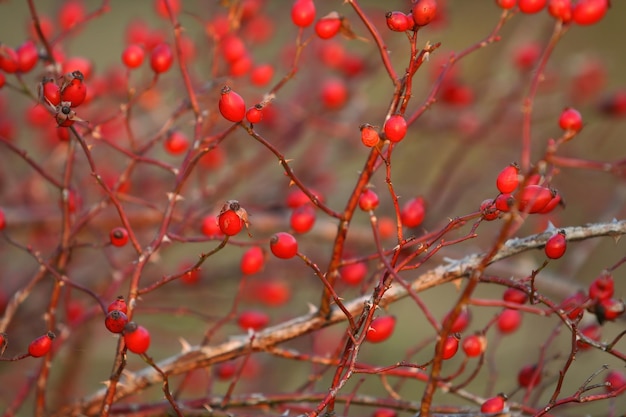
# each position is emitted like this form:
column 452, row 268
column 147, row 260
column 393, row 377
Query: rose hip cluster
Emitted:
column 136, row 337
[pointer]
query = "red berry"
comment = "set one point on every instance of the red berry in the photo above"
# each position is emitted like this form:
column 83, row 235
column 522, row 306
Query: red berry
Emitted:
column 508, row 179
column 529, row 376
column 527, row 55
column 136, row 338
column 303, row 13
column 27, row 56
column 41, row 346
column 560, row 9
column 71, row 13
column 231, row 105
column 413, row 212
column 3, row 79
column 608, row 309
column 555, row 201
column 133, row 56
column 119, row 236
column 115, row 321
column 395, row 128
column 210, row 226
column 461, row 322
column 368, row 200
column 353, row 274
column 450, row 347
column 176, row 143
column 369, row 135
column 399, row 22
column 531, row 6
column 192, row 276
column 424, row 11
column 488, row 210
column 328, row 26
column 614, row 380
column 273, row 293
column 118, row 304
column 253, row 319
column 161, row 58
column 602, row 287
column 509, row 320
column 506, row 4
column 4, row 341
column 494, row 404
column 588, row 12
column 9, row 60
column 233, row 48
column 513, row 295
column 74, row 89
column 283, row 245
column 261, row 75
column 556, row 245
column 77, row 63
column 162, row 10
column 533, row 198
column 302, row 218
column 3, row 222
column 573, row 305
column 474, row 345
column 504, row 202
column 334, row 93
column 226, row 370
column 255, row 114
column 381, row 328
column 571, row 120
column 252, row 260
column 385, row 412
column 230, row 222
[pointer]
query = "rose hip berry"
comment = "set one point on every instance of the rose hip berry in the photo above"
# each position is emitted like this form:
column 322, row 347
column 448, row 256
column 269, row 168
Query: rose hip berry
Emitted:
column 302, row 218
column 608, row 309
column 399, row 22
column 115, row 321
column 413, row 212
column 488, row 210
column 161, row 58
column 231, row 105
column 73, row 89
column 513, row 295
column 136, row 338
column 368, row 200
column 450, row 347
column 571, row 120
column 353, row 274
column 254, row 114
column 283, row 245
column 27, row 56
column 494, row 404
column 41, row 345
column 588, row 12
column 531, row 6
column 119, row 236
column 556, row 245
column 533, row 198
column 424, row 12
column 395, row 128
column 506, row 4
column 118, row 304
column 229, row 222
column 614, row 380
column 369, row 135
column 328, row 26
column 508, row 179
column 176, row 143
column 560, row 9
column 474, row 345
column 602, row 287
column 509, row 320
column 528, row 376
column 133, row 55
column 253, row 319
column 303, row 13
column 252, row 260
column 381, row 328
